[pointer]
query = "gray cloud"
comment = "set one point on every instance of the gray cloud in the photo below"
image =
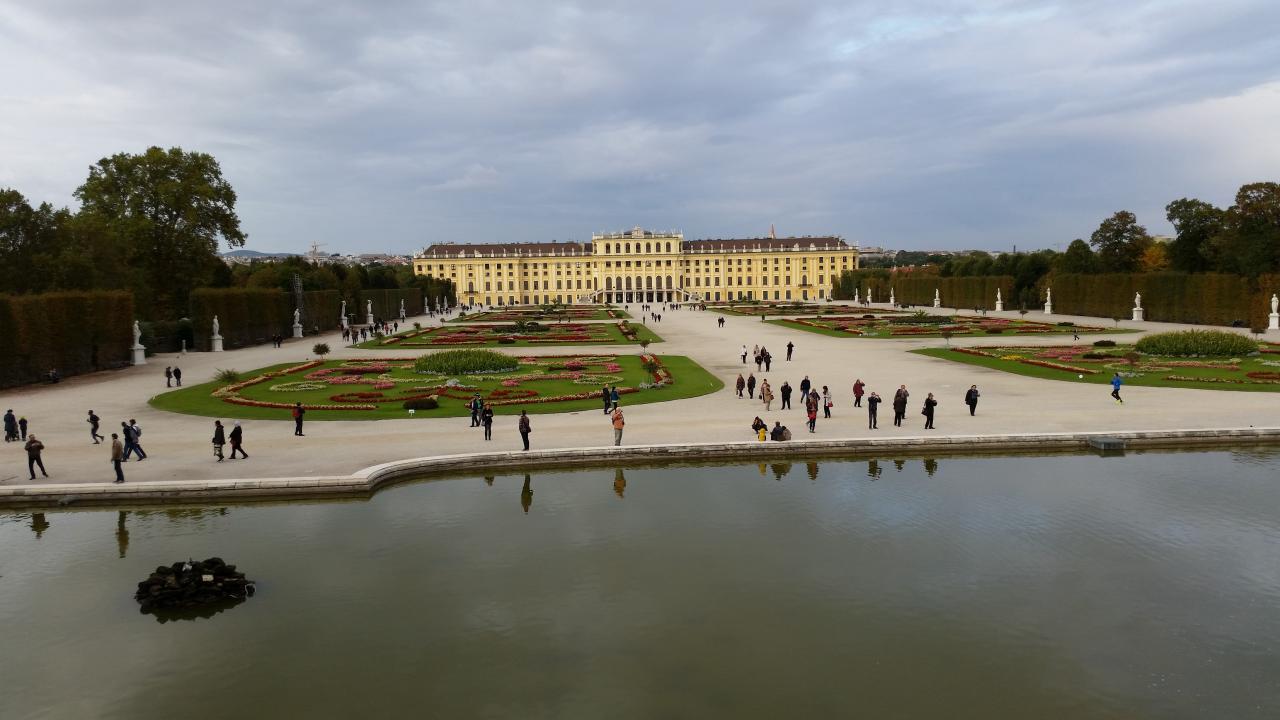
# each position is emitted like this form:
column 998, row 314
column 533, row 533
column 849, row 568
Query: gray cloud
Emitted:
column 386, row 126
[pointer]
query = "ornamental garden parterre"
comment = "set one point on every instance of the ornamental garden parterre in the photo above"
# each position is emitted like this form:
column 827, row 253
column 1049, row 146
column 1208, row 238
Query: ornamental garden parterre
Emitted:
column 1254, row 367
column 879, row 325
column 521, row 333
column 373, row 388
column 549, row 314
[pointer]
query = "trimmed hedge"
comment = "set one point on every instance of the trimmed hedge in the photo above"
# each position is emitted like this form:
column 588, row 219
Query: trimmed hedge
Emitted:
column 73, row 332
column 466, row 361
column 964, row 293
column 246, row 316
column 1200, row 343
column 386, row 304
column 1198, row 299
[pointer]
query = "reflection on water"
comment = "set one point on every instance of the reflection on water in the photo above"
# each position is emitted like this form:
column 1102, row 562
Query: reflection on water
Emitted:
column 1062, row 586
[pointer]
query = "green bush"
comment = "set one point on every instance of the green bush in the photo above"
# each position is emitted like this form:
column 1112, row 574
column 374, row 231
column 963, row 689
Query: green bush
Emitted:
column 74, row 332
column 468, row 361
column 1104, row 343
column 421, row 404
column 229, row 375
column 320, row 349
column 994, row 330
column 1204, row 343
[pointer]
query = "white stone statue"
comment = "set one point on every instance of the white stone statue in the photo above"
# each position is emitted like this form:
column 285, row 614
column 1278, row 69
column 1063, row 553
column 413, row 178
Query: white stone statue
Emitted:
column 892, row 300
column 1048, row 296
column 137, row 334
column 1273, row 322
column 343, row 312
column 368, row 307
column 998, row 299
column 297, row 316
column 1275, row 303
column 1137, row 300
column 215, row 326
column 139, row 352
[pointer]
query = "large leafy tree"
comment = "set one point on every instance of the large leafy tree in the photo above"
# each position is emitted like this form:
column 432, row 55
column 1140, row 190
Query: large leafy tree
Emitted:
column 1120, row 242
column 168, row 210
column 1249, row 243
column 1078, row 258
column 1196, row 223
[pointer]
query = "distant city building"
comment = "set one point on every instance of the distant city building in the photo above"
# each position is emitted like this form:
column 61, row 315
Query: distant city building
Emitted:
column 639, row 265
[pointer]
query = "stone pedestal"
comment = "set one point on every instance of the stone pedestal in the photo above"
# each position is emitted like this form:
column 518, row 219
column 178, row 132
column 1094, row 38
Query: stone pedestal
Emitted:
column 369, row 320
column 1274, row 321
column 999, row 306
column 937, row 303
column 1137, row 314
column 1048, row 308
column 297, row 330
column 139, row 355
column 215, row 343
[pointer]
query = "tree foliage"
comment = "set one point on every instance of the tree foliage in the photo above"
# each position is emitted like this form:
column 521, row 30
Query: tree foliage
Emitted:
column 1196, row 223
column 1120, row 242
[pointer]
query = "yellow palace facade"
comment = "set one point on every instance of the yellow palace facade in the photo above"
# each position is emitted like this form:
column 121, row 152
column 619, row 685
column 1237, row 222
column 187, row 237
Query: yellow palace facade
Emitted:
column 638, row 266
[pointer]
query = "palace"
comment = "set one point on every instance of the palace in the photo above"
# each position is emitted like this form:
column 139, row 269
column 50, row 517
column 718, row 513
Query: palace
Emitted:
column 639, row 265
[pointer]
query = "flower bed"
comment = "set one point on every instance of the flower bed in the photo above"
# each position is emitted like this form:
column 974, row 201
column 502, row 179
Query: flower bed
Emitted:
column 905, row 325
column 551, row 334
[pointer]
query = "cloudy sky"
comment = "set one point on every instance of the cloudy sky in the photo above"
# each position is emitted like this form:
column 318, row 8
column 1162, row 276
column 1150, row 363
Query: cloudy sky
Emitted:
column 386, row 126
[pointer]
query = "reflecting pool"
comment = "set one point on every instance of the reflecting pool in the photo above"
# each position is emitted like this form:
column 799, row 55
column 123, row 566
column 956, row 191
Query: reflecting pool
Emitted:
column 1019, row 587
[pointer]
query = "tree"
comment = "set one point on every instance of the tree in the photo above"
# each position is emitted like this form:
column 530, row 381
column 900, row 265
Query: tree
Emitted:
column 1079, row 258
column 1155, row 258
column 1120, row 242
column 1196, row 223
column 1250, row 241
column 320, row 350
column 168, row 210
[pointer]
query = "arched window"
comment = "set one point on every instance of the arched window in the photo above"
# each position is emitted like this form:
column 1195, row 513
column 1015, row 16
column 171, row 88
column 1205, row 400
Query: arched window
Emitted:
column 668, row 282
column 617, row 249
column 648, row 247
column 648, row 283
column 606, row 248
column 628, row 283
column 628, row 248
column 668, row 247
column 608, row 283
column 471, row 287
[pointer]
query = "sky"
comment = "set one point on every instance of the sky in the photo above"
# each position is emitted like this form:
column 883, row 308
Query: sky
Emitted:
column 386, row 126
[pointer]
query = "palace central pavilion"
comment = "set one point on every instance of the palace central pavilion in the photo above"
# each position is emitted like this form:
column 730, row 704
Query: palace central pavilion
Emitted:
column 638, row 266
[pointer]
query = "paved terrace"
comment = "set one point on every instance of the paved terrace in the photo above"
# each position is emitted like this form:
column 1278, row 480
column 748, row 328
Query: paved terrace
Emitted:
column 179, row 450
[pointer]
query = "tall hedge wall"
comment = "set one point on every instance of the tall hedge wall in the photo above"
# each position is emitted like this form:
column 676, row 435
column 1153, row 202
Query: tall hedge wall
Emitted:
column 246, row 316
column 386, row 303
column 320, row 310
column 1199, row 298
column 73, row 332
column 965, row 293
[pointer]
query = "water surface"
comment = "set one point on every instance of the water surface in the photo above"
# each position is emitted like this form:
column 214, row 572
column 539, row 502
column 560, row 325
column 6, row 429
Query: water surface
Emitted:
column 1063, row 587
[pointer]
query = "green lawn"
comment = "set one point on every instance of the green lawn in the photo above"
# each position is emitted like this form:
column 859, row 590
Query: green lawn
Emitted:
column 854, row 325
column 595, row 312
column 364, row 381
column 1148, row 371
column 576, row 333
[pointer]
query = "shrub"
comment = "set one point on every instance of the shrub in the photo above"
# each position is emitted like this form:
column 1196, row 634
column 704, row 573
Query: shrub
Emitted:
column 426, row 403
column 466, row 361
column 1096, row 356
column 1104, row 343
column 1066, row 323
column 507, row 341
column 229, row 375
column 320, row 349
column 1205, row 343
column 994, row 330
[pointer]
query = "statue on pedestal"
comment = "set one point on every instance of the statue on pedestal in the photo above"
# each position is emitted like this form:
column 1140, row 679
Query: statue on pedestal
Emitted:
column 137, row 334
column 1137, row 300
column 1275, row 304
column 297, row 316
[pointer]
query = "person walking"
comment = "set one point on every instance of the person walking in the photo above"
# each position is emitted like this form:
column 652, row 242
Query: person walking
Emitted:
column 476, row 406
column 766, row 396
column 751, row 386
column 790, row 348
column 613, row 396
column 10, row 426
column 900, row 405
column 168, row 377
column 137, row 438
column 117, row 457
column 298, row 412
column 131, row 445
column 34, row 447
column 237, row 442
column 858, row 389
column 93, row 421
column 971, row 399
column 929, row 405
column 804, row 387
column 786, row 395
column 873, row 405
column 826, row 402
column 177, row 376
column 740, row 384
column 744, row 354
column 219, row 439
column 619, row 422
column 486, row 419
column 605, row 398
column 811, row 410
column 525, row 428
column 1116, row 382
column 768, row 359
column 22, row 427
